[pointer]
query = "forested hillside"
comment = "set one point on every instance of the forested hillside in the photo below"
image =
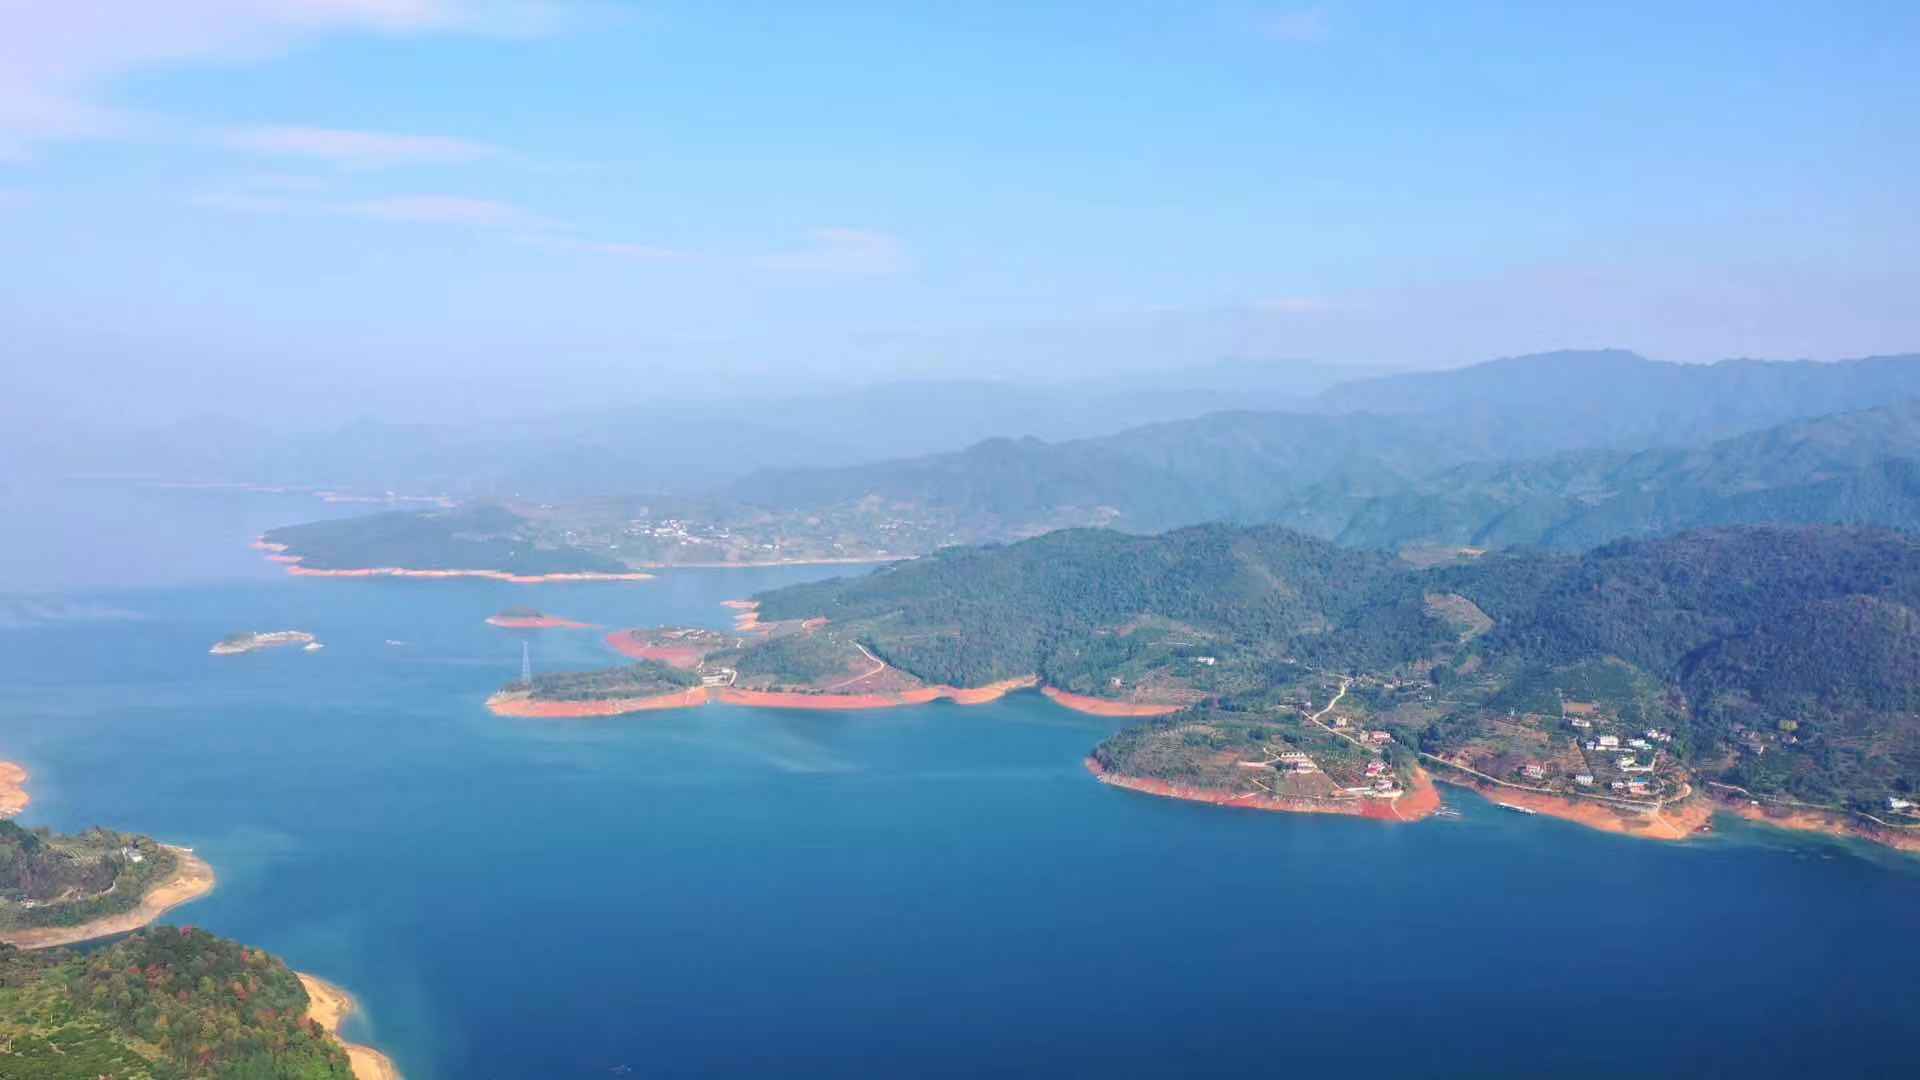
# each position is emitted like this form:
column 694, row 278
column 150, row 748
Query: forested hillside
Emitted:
column 165, row 1004
column 968, row 616
column 1784, row 658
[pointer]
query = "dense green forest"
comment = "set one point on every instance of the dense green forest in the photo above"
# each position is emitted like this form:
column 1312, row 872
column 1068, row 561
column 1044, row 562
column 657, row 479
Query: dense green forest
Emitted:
column 48, row 879
column 641, row 678
column 164, row 1004
column 969, row 616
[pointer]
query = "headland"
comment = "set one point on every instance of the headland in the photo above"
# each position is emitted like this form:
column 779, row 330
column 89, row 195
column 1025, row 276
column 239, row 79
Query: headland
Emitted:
column 191, row 879
column 1419, row 800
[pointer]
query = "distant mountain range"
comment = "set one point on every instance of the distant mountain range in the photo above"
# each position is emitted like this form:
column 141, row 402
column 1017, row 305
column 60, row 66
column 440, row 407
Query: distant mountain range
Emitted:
column 680, row 446
column 1529, row 406
column 1374, row 480
column 1516, row 408
column 1468, row 460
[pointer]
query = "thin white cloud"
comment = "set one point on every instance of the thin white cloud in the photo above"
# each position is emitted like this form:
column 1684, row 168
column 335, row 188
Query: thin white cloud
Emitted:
column 443, row 210
column 1300, row 26
column 1291, row 305
column 842, row 251
column 58, row 60
column 358, row 149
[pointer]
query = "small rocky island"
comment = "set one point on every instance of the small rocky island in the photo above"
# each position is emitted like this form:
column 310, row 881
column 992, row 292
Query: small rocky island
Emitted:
column 254, row 641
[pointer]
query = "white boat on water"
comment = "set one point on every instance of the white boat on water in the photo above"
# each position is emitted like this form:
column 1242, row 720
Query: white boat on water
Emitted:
column 1515, row 809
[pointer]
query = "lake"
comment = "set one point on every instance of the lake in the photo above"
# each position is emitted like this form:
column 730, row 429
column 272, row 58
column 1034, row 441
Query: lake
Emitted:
column 931, row 891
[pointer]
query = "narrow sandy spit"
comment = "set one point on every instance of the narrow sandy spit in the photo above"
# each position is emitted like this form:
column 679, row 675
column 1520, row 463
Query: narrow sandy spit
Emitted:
column 13, row 789
column 328, row 1005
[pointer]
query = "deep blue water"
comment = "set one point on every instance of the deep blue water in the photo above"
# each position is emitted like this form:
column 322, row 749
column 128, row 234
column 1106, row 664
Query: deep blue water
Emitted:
column 935, row 891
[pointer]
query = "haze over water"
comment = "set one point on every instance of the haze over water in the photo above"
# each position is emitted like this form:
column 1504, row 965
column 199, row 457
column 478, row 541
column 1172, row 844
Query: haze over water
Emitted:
column 930, row 891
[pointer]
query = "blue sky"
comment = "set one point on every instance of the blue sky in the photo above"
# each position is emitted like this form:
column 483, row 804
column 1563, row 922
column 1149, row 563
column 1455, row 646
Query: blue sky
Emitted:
column 610, row 200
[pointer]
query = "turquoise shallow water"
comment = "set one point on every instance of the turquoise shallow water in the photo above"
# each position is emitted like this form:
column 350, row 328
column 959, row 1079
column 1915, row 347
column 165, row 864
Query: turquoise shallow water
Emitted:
column 933, row 891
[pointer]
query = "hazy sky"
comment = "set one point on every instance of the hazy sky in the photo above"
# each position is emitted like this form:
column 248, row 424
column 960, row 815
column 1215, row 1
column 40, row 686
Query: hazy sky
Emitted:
column 387, row 205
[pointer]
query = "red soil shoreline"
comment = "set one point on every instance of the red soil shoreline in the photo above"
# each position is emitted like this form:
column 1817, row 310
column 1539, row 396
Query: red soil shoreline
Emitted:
column 685, row 657
column 1673, row 823
column 518, row 703
column 1094, row 706
column 1825, row 823
column 1418, row 803
column 796, row 699
column 535, row 622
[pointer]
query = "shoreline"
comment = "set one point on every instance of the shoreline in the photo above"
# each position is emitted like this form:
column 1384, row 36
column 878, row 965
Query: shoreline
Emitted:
column 491, row 575
column 190, row 881
column 1420, row 802
column 517, row 703
column 329, row 1005
column 1093, row 706
column 280, row 553
column 1836, row 824
column 14, row 796
column 1672, row 823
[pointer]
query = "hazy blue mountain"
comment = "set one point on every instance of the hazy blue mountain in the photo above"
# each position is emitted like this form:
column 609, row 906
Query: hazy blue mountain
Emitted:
column 1857, row 468
column 1527, row 406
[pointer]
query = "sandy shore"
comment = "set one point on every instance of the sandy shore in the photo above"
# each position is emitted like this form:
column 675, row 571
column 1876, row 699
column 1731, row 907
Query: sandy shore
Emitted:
column 747, row 617
column 520, row 703
column 535, row 622
column 13, row 789
column 1419, row 802
column 191, row 881
column 1677, row 821
column 1104, row 706
column 328, row 1006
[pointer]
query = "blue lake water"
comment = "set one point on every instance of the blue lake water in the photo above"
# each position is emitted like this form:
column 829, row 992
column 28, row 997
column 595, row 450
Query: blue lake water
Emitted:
column 933, row 891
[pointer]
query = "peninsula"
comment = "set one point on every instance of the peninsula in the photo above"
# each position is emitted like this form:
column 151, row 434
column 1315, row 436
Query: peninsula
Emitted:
column 61, row 890
column 481, row 541
column 254, row 641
